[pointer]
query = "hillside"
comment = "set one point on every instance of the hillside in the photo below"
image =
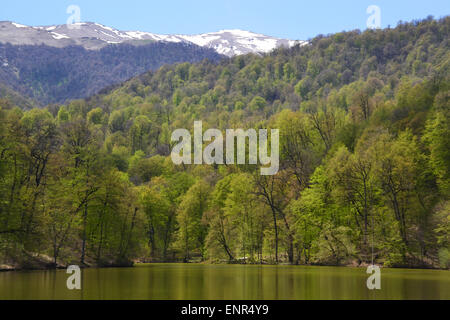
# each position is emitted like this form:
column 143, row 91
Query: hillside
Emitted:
column 12, row 98
column 56, row 75
column 364, row 160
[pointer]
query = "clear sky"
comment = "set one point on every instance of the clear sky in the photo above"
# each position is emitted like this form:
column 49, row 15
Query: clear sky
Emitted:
column 293, row 19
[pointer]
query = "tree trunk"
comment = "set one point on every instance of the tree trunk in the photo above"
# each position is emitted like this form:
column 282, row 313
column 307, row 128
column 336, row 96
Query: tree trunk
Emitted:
column 83, row 246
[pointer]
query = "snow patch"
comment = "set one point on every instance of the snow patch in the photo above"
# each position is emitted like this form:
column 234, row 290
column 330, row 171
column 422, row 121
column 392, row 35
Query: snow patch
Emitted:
column 18, row 25
column 59, row 36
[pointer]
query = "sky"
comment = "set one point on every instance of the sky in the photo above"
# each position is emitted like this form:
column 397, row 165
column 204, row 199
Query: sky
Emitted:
column 291, row 19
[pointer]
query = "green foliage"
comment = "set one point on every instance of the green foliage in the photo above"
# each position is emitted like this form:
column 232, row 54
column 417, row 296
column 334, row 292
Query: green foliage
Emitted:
column 192, row 231
column 364, row 161
column 438, row 142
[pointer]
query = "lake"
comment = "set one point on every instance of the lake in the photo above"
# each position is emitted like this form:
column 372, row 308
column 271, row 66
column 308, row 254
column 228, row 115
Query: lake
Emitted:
column 202, row 282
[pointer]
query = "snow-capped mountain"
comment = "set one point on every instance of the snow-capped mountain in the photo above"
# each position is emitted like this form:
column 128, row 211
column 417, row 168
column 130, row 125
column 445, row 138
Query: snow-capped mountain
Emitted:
column 95, row 36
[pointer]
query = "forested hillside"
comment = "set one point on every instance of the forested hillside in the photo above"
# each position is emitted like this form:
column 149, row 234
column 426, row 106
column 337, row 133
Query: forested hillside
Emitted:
column 56, row 75
column 364, row 161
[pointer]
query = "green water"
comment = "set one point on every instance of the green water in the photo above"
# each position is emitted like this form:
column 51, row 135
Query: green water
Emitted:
column 196, row 281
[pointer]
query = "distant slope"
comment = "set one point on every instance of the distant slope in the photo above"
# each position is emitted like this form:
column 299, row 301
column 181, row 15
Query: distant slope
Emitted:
column 287, row 77
column 12, row 98
column 95, row 36
column 55, row 75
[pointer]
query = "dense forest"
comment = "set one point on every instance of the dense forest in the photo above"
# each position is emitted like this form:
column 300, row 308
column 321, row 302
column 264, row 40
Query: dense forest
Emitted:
column 364, row 161
column 55, row 75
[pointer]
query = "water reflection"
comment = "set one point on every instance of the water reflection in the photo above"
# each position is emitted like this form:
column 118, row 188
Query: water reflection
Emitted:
column 195, row 281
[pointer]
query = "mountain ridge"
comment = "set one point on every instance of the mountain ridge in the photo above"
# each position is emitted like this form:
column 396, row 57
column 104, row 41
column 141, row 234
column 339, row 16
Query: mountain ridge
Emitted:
column 94, row 36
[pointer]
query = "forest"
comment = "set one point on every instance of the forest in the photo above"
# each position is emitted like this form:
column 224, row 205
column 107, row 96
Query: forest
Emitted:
column 48, row 74
column 364, row 161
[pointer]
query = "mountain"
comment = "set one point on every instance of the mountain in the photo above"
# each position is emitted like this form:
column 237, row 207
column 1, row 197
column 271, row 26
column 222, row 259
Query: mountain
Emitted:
column 54, row 64
column 363, row 120
column 93, row 36
column 292, row 78
column 47, row 74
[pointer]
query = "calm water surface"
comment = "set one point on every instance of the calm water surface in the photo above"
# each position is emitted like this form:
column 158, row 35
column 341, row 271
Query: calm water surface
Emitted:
column 203, row 282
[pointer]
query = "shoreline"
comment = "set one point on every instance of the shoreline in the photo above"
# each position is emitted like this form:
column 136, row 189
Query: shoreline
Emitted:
column 4, row 268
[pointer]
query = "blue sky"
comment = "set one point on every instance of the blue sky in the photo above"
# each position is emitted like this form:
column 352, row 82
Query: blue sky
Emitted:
column 293, row 19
